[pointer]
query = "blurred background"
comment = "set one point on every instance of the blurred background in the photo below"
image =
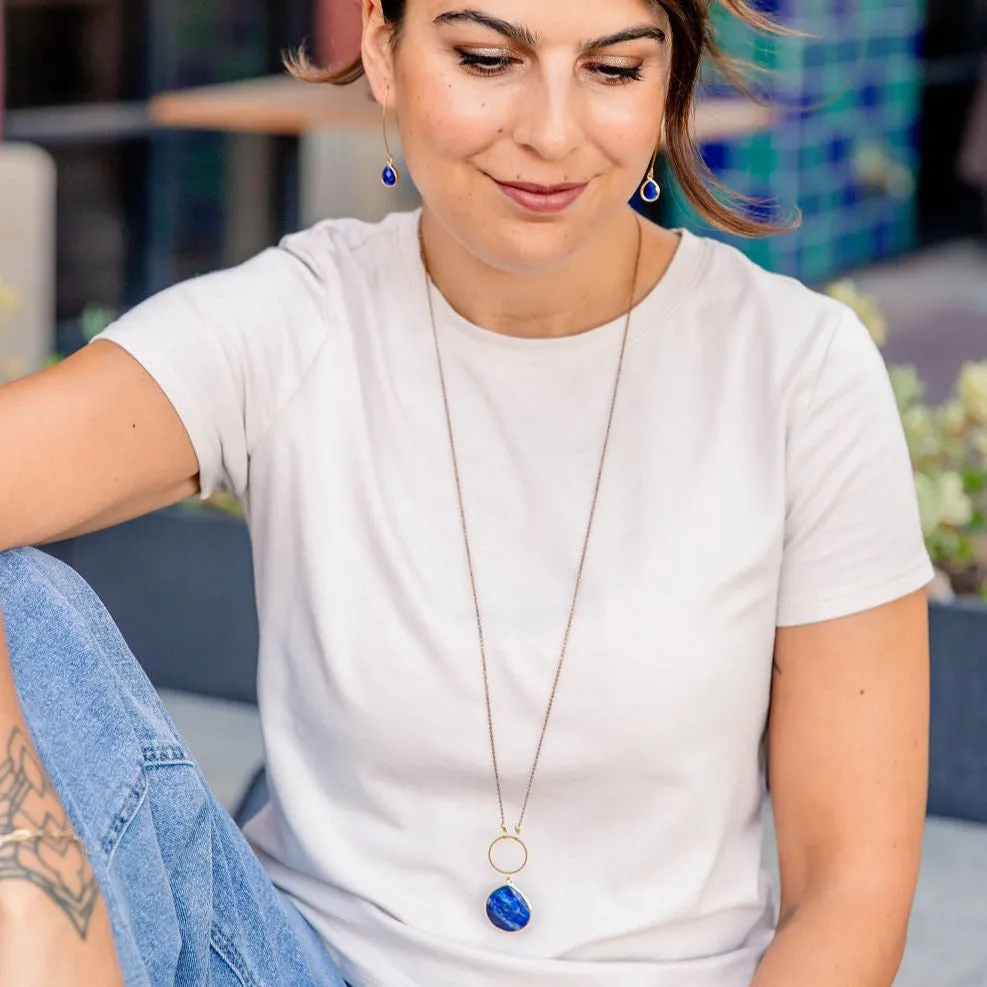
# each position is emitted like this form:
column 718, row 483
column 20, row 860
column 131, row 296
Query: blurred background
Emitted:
column 146, row 141
column 875, row 165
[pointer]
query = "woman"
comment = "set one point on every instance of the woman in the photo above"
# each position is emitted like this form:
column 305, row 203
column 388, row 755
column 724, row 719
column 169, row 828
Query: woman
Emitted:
column 547, row 503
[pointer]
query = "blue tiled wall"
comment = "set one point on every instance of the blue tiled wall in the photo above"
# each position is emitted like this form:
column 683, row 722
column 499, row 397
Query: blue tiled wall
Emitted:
column 854, row 85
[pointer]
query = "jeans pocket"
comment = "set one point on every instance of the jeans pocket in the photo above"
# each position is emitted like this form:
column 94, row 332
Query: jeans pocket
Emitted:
column 200, row 907
column 160, row 855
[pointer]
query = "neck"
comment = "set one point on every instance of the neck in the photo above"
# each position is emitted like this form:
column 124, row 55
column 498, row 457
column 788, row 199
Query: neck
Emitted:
column 593, row 288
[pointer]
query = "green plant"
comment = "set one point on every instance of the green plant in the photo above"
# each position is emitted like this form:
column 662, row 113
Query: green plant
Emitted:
column 222, row 503
column 948, row 448
column 9, row 303
column 94, row 319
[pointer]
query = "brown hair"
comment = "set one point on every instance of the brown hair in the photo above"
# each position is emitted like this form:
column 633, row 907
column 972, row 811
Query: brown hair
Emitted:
column 694, row 38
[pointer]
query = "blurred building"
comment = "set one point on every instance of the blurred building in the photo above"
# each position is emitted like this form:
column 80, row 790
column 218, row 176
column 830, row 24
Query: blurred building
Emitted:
column 137, row 208
column 872, row 105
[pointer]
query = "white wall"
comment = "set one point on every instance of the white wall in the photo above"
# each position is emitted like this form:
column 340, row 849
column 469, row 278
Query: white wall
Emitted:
column 27, row 254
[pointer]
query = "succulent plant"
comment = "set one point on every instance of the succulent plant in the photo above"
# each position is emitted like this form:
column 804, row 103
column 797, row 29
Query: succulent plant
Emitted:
column 948, row 448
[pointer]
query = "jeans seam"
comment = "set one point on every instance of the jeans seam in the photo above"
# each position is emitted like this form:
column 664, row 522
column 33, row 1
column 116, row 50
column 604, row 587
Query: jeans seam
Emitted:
column 164, row 755
column 125, row 815
column 152, row 753
column 225, row 948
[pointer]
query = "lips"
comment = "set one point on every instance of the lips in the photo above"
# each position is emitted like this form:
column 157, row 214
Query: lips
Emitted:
column 542, row 198
column 543, row 189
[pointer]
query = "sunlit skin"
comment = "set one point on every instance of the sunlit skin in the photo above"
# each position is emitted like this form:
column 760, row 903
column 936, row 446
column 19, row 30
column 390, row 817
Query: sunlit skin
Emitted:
column 562, row 96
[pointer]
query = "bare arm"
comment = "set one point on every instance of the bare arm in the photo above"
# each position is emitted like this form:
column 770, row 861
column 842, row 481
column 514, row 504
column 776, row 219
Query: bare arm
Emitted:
column 54, row 926
column 848, row 760
column 87, row 444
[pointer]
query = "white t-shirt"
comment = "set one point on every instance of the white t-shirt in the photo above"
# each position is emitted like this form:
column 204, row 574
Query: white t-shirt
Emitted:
column 757, row 477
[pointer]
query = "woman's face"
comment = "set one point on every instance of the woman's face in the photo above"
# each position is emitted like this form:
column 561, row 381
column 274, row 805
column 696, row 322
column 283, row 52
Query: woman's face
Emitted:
column 527, row 124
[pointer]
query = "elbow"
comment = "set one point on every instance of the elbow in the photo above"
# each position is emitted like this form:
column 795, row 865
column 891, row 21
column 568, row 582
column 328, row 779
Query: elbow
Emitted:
column 864, row 916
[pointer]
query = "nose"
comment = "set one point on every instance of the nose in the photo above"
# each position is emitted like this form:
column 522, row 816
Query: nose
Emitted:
column 548, row 116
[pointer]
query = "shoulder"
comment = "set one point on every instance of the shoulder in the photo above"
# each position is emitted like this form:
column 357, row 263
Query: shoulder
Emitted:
column 782, row 305
column 790, row 329
column 337, row 248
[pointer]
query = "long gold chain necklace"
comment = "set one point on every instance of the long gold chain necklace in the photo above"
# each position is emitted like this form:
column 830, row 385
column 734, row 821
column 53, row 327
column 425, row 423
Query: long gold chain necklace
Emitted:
column 506, row 907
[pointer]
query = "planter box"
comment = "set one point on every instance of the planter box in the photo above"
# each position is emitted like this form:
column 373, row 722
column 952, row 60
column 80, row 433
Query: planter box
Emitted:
column 179, row 584
column 958, row 782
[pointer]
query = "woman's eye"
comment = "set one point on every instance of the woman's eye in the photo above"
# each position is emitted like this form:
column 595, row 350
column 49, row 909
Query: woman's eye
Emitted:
column 484, row 64
column 616, row 75
column 491, row 63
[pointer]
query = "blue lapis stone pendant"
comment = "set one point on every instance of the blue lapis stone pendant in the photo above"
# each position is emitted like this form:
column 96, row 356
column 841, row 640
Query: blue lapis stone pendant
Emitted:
column 508, row 909
column 390, row 175
column 651, row 191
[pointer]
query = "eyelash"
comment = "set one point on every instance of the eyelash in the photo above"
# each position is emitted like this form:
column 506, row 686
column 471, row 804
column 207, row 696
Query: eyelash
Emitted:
column 613, row 75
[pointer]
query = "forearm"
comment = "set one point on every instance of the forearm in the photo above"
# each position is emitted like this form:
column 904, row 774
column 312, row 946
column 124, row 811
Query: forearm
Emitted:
column 837, row 938
column 54, row 926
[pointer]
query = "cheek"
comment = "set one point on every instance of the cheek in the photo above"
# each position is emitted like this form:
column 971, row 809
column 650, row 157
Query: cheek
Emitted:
column 626, row 128
column 454, row 117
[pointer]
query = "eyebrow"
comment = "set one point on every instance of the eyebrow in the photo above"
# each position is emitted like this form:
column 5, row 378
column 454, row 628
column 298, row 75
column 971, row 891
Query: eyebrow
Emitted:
column 515, row 32
column 631, row 34
column 522, row 36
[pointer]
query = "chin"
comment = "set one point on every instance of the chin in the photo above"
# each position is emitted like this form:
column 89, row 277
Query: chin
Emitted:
column 523, row 245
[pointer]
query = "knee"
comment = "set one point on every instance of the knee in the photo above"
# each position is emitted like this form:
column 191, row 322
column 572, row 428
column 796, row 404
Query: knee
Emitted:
column 27, row 574
column 36, row 588
column 66, row 652
column 50, row 613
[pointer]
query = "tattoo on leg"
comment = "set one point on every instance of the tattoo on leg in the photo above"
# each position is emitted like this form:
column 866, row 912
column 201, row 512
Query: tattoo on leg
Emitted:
column 59, row 867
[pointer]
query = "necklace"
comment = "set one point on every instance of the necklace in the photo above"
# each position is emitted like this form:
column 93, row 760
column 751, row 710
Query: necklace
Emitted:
column 507, row 908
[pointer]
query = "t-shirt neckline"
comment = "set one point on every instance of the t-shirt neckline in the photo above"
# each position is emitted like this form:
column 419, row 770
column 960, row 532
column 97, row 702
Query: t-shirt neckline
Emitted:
column 674, row 285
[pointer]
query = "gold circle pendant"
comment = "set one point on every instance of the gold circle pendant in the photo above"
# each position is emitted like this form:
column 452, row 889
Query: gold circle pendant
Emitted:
column 495, row 854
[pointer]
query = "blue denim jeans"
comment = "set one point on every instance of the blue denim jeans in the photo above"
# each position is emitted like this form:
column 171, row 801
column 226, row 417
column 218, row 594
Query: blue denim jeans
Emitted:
column 189, row 902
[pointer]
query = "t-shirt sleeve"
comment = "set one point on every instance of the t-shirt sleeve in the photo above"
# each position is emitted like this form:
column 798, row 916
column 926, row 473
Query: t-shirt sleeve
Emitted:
column 229, row 350
column 853, row 538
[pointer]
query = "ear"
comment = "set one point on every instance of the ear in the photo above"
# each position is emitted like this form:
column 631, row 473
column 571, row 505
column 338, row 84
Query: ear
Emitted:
column 377, row 50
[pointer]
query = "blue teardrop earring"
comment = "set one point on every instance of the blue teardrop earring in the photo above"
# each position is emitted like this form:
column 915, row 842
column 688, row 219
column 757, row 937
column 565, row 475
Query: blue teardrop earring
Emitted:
column 650, row 189
column 390, row 176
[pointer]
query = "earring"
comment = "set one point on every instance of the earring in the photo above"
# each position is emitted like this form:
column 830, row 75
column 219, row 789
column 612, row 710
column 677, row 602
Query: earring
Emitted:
column 390, row 176
column 650, row 189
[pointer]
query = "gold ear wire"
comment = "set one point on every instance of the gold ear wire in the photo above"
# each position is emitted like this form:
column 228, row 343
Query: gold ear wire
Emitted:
column 390, row 176
column 650, row 189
